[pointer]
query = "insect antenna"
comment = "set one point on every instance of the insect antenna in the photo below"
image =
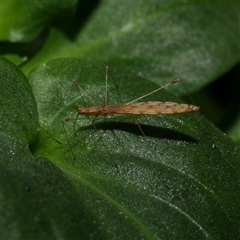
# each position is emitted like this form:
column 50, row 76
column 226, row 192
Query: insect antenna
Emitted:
column 154, row 91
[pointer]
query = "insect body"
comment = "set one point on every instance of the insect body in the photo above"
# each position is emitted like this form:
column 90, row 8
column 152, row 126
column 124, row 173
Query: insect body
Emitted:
column 136, row 108
column 139, row 108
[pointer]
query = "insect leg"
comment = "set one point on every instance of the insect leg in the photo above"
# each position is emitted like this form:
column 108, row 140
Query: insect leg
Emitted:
column 104, row 145
column 65, row 132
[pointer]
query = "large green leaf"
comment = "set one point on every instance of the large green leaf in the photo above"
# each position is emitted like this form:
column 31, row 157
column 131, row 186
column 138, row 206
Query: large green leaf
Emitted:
column 22, row 21
column 194, row 41
column 179, row 181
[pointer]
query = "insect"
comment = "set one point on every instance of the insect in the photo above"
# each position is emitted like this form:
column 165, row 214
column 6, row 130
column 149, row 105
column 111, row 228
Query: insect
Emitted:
column 131, row 108
column 134, row 107
column 139, row 108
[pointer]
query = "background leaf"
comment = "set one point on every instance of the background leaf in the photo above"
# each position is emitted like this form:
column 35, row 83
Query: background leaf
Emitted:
column 160, row 41
column 21, row 22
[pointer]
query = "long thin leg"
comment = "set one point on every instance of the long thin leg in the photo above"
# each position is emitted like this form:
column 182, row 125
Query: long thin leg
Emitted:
column 133, row 122
column 115, row 165
column 106, row 86
column 204, row 121
column 94, row 126
column 80, row 89
column 74, row 125
column 54, row 139
column 136, row 123
column 70, row 147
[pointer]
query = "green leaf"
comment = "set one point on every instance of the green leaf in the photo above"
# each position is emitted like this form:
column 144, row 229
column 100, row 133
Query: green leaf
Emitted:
column 21, row 21
column 162, row 41
column 15, row 59
column 234, row 131
column 179, row 181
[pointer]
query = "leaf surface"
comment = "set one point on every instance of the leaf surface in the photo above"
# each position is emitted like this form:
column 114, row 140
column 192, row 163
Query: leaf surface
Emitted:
column 172, row 183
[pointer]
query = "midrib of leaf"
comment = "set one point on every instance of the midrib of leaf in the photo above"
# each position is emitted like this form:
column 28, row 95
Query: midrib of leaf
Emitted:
column 114, row 203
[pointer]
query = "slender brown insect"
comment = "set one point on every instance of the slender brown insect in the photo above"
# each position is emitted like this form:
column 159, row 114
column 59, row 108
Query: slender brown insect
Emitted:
column 140, row 108
column 131, row 108
column 136, row 108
